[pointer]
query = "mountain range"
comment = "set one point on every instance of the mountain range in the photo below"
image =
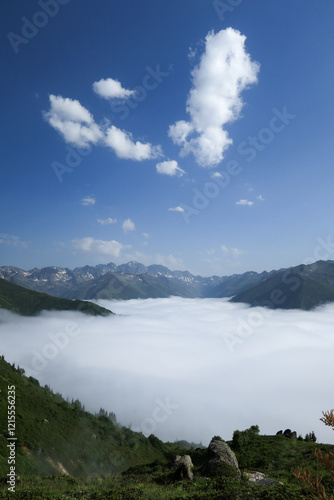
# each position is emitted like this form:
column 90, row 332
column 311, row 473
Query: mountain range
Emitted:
column 128, row 281
column 301, row 287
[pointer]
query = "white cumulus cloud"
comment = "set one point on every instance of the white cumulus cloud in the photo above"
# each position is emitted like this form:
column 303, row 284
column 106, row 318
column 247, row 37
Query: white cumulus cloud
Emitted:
column 169, row 167
column 124, row 147
column 77, row 126
column 128, row 225
column 111, row 89
column 73, row 121
column 224, row 71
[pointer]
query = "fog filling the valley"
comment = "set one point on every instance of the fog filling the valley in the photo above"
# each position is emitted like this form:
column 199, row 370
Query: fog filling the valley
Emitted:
column 185, row 368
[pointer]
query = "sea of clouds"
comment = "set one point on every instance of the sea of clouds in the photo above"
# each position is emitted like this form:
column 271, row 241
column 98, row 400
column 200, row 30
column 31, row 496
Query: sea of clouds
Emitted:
column 185, row 368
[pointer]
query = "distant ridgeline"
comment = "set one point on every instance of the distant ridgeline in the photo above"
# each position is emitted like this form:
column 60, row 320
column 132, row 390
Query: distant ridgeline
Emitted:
column 301, row 287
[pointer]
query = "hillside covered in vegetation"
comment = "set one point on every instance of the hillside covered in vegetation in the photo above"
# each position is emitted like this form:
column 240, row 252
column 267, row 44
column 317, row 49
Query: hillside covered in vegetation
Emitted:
column 26, row 302
column 64, row 452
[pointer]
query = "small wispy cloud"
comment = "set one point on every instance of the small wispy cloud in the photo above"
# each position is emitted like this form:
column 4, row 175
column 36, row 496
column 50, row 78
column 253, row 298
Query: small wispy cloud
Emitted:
column 176, row 209
column 245, row 203
column 105, row 222
column 260, row 197
column 146, row 235
column 235, row 252
column 11, row 240
column 217, row 175
column 99, row 248
column 192, row 53
column 89, row 200
column 128, row 225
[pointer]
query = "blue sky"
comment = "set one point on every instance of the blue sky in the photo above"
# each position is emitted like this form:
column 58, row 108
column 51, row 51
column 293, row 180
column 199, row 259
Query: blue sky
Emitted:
column 114, row 113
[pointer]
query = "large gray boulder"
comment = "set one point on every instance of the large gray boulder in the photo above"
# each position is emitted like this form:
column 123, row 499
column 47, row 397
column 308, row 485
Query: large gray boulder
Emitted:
column 183, row 466
column 222, row 460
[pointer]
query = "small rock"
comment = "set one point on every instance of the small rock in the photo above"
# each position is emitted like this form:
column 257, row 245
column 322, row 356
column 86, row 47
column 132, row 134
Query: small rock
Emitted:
column 260, row 479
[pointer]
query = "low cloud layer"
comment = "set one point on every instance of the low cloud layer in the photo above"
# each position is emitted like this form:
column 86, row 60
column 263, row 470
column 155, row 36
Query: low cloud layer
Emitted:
column 185, row 368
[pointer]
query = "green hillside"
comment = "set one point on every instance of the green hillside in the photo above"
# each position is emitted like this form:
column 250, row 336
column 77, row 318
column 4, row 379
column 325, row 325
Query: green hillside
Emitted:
column 64, row 452
column 28, row 302
column 55, row 436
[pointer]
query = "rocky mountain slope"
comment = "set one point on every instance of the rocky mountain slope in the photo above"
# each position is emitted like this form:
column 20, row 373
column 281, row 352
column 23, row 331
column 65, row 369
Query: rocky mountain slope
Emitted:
column 131, row 280
column 300, row 287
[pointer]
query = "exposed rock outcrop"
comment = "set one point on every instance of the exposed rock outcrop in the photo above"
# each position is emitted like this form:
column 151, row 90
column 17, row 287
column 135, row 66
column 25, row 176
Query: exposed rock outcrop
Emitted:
column 222, row 460
column 287, row 433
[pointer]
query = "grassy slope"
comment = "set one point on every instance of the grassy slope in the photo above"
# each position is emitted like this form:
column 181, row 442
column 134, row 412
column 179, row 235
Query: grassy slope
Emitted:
column 27, row 302
column 50, row 429
column 53, row 433
column 273, row 455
